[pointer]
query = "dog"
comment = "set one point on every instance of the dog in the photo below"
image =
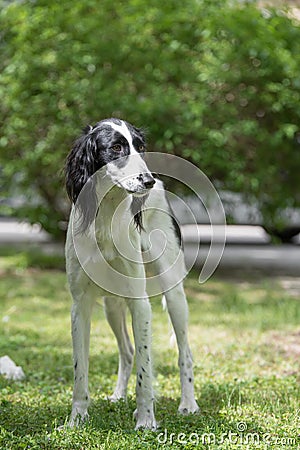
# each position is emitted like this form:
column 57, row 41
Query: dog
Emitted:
column 122, row 221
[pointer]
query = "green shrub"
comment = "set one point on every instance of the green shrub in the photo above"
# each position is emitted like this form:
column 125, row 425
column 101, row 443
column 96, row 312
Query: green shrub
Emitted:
column 216, row 82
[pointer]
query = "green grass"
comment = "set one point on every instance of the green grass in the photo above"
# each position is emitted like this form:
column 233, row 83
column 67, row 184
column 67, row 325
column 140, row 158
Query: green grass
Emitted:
column 245, row 338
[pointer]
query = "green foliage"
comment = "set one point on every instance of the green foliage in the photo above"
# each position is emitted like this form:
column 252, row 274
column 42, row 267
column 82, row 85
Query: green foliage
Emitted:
column 213, row 81
column 252, row 69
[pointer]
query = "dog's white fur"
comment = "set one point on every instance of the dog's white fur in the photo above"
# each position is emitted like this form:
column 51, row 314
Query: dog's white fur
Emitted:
column 85, row 292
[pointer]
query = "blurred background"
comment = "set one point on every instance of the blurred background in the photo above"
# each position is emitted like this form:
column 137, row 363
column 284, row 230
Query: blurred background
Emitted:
column 216, row 82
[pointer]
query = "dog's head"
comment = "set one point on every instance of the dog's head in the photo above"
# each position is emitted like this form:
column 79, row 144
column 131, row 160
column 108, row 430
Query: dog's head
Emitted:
column 119, row 148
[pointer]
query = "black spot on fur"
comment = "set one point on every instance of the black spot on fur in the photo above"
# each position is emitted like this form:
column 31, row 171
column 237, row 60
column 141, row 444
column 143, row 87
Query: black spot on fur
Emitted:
column 137, row 211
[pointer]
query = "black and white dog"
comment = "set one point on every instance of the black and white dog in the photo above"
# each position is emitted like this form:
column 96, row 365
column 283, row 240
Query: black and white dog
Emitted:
column 132, row 208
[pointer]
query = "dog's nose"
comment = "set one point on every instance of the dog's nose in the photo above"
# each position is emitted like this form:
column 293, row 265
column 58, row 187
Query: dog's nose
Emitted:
column 147, row 180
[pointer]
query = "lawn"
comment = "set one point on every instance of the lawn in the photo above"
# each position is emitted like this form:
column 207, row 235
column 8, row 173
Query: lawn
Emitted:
column 245, row 337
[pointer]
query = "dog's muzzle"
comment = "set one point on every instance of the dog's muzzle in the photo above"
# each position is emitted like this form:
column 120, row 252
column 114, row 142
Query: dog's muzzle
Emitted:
column 141, row 185
column 147, row 180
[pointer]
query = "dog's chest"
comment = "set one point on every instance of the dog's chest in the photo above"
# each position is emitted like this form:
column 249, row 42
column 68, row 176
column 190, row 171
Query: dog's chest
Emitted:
column 116, row 234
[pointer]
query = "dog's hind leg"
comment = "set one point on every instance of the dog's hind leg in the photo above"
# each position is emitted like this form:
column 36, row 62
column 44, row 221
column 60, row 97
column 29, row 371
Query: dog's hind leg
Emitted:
column 115, row 310
column 81, row 322
column 178, row 311
column 172, row 287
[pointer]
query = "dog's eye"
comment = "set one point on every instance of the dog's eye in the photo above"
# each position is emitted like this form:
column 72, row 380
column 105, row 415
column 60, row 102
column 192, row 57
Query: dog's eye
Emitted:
column 141, row 148
column 116, row 148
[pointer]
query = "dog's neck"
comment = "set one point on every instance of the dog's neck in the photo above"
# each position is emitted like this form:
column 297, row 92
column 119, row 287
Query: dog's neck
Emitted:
column 115, row 201
column 118, row 203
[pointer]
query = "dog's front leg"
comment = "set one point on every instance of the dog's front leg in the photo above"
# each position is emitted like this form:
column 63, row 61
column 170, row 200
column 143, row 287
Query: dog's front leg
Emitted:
column 141, row 321
column 81, row 322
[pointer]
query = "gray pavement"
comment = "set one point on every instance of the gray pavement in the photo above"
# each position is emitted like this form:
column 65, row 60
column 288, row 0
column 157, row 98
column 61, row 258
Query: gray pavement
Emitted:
column 248, row 248
column 13, row 231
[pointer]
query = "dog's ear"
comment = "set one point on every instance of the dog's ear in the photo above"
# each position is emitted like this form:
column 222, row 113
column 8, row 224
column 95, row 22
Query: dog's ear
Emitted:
column 80, row 166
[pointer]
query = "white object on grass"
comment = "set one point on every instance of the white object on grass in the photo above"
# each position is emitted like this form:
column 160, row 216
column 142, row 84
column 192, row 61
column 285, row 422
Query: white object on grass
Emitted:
column 10, row 370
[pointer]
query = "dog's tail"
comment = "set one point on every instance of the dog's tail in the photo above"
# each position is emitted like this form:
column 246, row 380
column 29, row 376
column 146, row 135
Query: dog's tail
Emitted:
column 172, row 333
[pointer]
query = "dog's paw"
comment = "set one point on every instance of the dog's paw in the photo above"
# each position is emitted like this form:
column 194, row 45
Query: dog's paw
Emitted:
column 116, row 397
column 78, row 419
column 188, row 408
column 146, row 422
